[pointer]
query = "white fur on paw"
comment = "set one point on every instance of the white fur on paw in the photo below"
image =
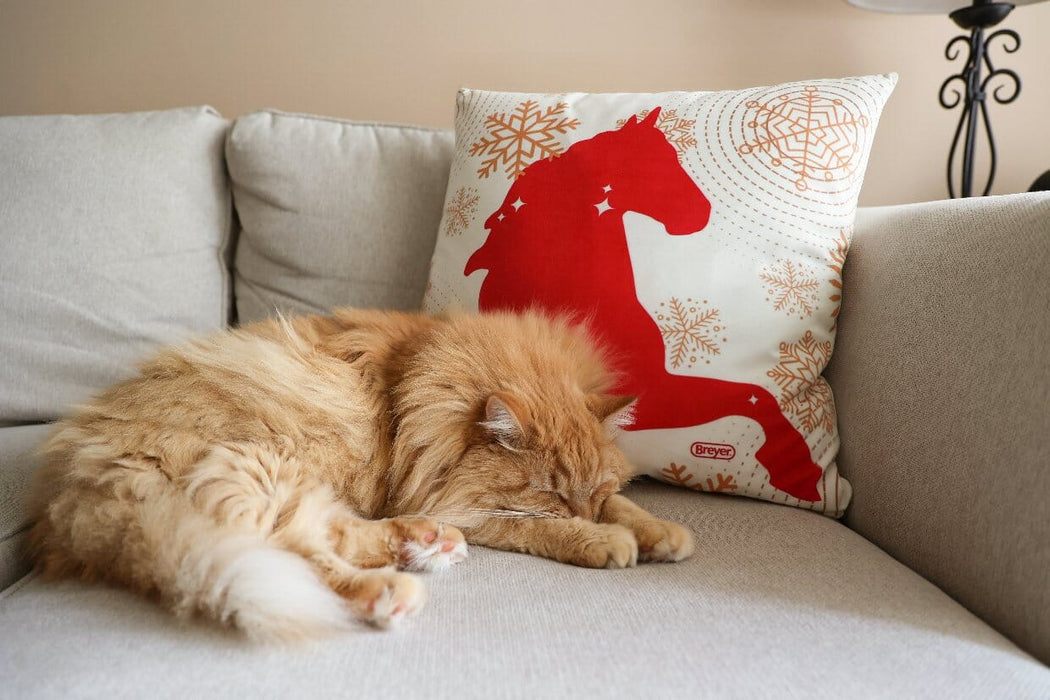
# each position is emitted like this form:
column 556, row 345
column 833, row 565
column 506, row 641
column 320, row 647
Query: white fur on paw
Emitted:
column 443, row 552
column 402, row 597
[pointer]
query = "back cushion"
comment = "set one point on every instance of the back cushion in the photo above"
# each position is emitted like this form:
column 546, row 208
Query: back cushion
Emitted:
column 112, row 232
column 333, row 213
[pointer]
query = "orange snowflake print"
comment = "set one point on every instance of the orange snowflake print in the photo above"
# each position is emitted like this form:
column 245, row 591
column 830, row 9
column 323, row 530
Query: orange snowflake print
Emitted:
column 816, row 136
column 679, row 132
column 691, row 331
column 805, row 395
column 521, row 137
column 790, row 288
column 838, row 260
column 460, row 212
column 679, row 474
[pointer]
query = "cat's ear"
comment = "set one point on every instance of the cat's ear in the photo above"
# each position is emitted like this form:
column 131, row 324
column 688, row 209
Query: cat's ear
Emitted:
column 506, row 419
column 615, row 412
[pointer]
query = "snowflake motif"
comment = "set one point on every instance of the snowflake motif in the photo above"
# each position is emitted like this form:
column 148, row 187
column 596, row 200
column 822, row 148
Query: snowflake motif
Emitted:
column 680, row 475
column 804, row 393
column 814, row 135
column 689, row 331
column 790, row 289
column 461, row 211
column 838, row 259
column 679, row 132
column 526, row 135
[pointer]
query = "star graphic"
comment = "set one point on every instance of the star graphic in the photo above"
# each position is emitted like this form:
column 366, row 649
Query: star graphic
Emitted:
column 518, row 204
column 501, row 217
column 753, row 399
column 607, row 188
column 603, row 206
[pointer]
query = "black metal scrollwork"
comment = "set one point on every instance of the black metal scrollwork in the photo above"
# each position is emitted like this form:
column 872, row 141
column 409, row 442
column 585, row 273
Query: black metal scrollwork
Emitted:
column 974, row 98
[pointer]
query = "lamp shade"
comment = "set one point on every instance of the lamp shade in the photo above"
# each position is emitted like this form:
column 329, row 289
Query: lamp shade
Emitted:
column 920, row 7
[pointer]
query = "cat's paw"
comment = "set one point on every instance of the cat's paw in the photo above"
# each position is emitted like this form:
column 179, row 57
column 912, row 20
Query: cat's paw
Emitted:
column 384, row 598
column 661, row 540
column 607, row 547
column 428, row 545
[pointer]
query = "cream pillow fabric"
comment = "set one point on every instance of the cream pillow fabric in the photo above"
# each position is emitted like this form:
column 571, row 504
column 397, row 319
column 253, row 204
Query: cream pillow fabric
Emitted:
column 702, row 236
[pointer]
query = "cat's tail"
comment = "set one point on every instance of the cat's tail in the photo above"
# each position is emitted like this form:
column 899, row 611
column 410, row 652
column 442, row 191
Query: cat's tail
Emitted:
column 197, row 567
column 239, row 580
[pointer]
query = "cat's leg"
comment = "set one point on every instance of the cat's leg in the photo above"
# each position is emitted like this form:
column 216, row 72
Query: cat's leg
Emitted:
column 658, row 540
column 409, row 543
column 253, row 489
column 568, row 540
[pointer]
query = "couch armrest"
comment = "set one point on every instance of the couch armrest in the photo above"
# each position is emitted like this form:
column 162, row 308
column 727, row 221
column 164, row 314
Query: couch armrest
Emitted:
column 941, row 375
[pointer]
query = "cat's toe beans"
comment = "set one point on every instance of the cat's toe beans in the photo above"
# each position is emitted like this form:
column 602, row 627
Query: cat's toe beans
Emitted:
column 384, row 599
column 432, row 546
column 660, row 540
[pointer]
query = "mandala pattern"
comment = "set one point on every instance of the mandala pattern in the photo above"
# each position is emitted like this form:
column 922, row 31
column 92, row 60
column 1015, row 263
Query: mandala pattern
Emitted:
column 679, row 132
column 804, row 393
column 525, row 135
column 460, row 212
column 690, row 331
column 790, row 289
column 680, row 475
column 816, row 136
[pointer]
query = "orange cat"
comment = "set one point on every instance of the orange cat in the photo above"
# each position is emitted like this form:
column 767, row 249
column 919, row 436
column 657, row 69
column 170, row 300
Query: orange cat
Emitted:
column 244, row 476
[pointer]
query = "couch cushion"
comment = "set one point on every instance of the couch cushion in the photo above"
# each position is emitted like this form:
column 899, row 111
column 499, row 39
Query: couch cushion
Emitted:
column 112, row 229
column 776, row 602
column 942, row 381
column 333, row 213
column 17, row 463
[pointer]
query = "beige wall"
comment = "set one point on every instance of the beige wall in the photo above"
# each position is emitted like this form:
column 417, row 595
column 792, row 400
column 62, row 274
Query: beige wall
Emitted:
column 403, row 61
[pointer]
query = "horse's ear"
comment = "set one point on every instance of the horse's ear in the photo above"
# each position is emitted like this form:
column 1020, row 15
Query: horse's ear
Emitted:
column 631, row 122
column 650, row 119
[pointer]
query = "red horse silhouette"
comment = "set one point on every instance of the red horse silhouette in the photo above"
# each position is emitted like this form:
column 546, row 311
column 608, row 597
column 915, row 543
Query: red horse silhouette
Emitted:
column 558, row 243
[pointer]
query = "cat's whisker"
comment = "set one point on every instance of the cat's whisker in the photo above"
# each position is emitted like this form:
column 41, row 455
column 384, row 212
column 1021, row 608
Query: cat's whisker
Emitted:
column 492, row 513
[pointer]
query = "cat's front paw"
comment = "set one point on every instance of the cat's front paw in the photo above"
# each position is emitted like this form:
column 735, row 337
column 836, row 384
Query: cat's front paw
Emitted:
column 606, row 547
column 428, row 545
column 662, row 540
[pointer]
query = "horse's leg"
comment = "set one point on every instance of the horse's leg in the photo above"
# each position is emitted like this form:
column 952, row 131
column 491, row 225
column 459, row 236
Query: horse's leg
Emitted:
column 681, row 401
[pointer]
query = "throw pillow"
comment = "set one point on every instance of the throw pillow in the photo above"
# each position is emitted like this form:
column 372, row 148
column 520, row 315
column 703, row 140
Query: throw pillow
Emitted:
column 702, row 237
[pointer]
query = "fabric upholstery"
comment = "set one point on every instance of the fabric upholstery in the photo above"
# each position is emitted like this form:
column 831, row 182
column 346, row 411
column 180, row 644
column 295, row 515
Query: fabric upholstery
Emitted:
column 112, row 229
column 333, row 213
column 942, row 378
column 777, row 602
column 17, row 464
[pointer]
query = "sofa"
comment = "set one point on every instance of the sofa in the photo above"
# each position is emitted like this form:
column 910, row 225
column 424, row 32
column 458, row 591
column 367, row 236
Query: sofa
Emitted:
column 121, row 232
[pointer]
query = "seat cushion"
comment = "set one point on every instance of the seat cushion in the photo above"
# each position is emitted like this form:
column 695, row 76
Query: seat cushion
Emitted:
column 777, row 601
column 112, row 234
column 18, row 461
column 333, row 213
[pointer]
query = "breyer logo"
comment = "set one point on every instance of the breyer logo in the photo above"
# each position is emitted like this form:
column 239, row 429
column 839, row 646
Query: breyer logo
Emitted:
column 712, row 450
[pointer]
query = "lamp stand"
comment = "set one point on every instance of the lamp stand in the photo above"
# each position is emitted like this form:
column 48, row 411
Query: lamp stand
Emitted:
column 976, row 18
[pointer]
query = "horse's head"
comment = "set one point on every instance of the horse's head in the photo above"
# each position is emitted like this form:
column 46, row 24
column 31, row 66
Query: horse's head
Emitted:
column 650, row 180
column 585, row 192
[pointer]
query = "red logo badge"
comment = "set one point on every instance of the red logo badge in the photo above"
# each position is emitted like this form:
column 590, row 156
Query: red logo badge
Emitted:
column 712, row 450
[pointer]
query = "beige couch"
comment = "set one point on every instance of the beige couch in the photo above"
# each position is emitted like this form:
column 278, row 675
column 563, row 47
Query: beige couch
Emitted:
column 117, row 233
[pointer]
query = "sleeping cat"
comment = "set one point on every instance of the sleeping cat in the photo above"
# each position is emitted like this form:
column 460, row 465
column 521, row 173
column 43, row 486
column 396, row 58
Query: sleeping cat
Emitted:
column 251, row 476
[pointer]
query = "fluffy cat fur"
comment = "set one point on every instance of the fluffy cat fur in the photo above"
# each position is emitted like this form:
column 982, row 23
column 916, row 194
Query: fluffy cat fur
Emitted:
column 278, row 478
